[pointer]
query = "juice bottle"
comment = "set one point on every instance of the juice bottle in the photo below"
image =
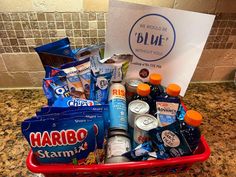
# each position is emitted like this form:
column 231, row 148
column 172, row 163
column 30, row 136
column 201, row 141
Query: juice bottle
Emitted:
column 167, row 104
column 143, row 91
column 155, row 84
column 190, row 128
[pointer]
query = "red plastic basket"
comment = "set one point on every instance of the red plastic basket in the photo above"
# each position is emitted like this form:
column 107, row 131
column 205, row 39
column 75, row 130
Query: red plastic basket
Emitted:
column 150, row 167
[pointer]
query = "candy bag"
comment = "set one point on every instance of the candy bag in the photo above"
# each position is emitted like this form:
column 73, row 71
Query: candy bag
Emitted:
column 61, row 141
column 169, row 141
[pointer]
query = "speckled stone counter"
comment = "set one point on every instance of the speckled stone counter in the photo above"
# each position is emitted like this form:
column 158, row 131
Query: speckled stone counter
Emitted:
column 217, row 103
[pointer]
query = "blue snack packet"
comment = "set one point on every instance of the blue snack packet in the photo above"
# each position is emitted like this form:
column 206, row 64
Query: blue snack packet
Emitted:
column 56, row 53
column 140, row 152
column 83, row 72
column 54, row 88
column 169, row 141
column 99, row 87
column 73, row 102
column 61, row 141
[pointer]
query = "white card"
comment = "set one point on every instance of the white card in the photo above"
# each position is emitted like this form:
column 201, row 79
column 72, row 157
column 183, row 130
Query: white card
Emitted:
column 162, row 40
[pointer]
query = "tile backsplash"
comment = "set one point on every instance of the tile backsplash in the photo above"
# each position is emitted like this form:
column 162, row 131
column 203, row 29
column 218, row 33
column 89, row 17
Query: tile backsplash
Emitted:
column 21, row 32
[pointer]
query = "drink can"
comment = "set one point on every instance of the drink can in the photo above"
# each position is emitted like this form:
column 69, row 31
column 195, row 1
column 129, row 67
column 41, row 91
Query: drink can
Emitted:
column 117, row 107
column 142, row 125
column 136, row 108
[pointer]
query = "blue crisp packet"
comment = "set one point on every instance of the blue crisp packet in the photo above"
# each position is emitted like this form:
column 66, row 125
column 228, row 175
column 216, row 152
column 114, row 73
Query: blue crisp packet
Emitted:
column 61, row 141
column 169, row 141
column 99, row 87
column 140, row 152
column 54, row 88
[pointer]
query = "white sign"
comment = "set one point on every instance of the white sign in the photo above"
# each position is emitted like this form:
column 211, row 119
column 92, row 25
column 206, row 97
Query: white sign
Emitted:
column 162, row 40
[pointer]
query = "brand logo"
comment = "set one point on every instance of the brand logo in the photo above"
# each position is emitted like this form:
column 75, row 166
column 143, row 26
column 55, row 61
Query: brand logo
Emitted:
column 57, row 138
column 152, row 37
column 77, row 102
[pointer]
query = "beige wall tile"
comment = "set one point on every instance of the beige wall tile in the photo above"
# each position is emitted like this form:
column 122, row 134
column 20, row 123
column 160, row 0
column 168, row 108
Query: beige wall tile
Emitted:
column 208, row 58
column 222, row 73
column 18, row 79
column 225, row 57
column 226, row 6
column 37, row 78
column 202, row 74
column 207, row 6
column 2, row 65
column 217, row 57
column 22, row 62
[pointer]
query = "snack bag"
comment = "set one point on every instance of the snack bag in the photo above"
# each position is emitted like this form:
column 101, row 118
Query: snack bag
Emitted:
column 82, row 71
column 73, row 102
column 99, row 87
column 54, row 88
column 61, row 141
column 56, row 53
column 169, row 142
column 91, row 50
column 117, row 64
column 140, row 152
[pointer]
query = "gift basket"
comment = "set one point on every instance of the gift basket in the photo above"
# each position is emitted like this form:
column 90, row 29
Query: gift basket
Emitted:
column 100, row 122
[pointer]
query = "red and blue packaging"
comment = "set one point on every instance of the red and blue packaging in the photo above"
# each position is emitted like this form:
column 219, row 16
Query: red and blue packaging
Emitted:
column 67, row 137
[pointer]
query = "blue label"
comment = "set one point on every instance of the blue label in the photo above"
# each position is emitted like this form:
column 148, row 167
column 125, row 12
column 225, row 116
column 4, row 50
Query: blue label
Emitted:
column 118, row 114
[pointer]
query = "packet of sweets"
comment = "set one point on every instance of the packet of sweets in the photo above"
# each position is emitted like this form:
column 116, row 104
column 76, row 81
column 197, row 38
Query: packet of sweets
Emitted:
column 56, row 53
column 99, row 87
column 55, row 87
column 95, row 116
column 118, row 64
column 169, row 141
column 61, row 141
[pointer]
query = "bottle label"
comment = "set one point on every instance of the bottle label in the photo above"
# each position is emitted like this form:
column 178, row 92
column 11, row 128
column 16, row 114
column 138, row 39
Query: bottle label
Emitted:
column 117, row 146
column 166, row 108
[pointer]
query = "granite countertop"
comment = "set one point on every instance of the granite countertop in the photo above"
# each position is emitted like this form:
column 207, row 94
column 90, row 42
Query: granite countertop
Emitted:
column 217, row 103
